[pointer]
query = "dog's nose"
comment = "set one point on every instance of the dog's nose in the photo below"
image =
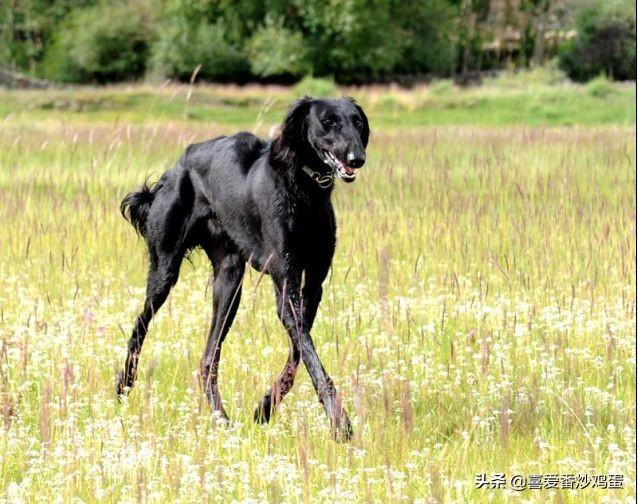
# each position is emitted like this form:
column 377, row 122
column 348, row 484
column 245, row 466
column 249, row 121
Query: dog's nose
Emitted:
column 355, row 161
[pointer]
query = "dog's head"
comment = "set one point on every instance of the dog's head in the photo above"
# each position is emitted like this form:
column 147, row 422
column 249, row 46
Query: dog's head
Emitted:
column 328, row 135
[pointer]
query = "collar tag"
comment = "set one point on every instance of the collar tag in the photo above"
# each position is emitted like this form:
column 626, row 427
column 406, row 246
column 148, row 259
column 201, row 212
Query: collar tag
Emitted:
column 323, row 181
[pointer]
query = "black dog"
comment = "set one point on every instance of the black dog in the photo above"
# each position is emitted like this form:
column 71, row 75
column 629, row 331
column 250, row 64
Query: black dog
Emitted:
column 243, row 199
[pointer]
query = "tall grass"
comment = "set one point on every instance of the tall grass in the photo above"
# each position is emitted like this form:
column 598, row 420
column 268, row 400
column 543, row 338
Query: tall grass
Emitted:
column 479, row 318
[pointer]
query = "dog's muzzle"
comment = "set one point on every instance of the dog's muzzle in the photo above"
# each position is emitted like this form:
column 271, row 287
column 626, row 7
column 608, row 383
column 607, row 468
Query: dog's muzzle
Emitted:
column 340, row 169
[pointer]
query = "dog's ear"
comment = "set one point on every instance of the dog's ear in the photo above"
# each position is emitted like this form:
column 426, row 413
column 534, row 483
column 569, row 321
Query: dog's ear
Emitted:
column 365, row 129
column 291, row 138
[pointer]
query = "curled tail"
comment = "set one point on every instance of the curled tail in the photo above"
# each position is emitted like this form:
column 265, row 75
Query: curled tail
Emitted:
column 135, row 207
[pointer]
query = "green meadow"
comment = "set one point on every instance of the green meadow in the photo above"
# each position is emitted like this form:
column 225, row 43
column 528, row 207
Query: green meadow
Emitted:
column 479, row 317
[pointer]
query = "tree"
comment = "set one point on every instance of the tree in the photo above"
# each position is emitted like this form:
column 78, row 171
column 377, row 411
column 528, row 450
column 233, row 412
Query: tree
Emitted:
column 605, row 41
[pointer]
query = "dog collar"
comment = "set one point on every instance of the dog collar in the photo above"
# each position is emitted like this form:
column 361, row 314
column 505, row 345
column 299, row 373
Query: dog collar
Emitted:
column 323, row 181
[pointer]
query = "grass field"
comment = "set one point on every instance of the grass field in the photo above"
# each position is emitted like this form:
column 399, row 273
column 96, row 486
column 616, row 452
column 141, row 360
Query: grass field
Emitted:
column 479, row 316
column 539, row 98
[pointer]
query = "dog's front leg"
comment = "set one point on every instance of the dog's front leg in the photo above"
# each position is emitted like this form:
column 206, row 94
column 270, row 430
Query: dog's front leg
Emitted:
column 272, row 398
column 291, row 313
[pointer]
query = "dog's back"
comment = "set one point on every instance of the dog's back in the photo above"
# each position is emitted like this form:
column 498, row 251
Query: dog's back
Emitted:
column 225, row 153
column 212, row 171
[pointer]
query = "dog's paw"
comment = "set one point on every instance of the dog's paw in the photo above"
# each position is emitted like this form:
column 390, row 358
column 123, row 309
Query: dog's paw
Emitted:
column 342, row 429
column 121, row 389
column 220, row 418
column 262, row 412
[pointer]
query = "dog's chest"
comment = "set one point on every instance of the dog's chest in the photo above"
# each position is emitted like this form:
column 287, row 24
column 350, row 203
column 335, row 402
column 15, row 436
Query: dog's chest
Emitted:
column 308, row 227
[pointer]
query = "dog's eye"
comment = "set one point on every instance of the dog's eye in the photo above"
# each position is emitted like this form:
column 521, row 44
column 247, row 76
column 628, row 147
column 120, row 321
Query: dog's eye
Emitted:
column 357, row 122
column 327, row 123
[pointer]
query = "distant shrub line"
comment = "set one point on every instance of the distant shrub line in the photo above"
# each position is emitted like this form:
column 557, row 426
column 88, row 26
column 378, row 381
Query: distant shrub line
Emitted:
column 352, row 41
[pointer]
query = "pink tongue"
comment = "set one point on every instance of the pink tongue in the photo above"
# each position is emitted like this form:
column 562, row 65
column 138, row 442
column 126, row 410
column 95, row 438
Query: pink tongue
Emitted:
column 349, row 170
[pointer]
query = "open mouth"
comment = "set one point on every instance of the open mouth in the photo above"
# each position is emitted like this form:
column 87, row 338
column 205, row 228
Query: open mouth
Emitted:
column 343, row 171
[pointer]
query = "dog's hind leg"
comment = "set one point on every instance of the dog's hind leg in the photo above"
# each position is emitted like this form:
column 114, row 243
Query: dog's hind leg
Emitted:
column 228, row 267
column 163, row 274
column 280, row 388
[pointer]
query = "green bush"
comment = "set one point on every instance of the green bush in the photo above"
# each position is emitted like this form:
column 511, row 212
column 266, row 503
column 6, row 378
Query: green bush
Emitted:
column 605, row 41
column 27, row 28
column 184, row 43
column 275, row 51
column 600, row 87
column 548, row 75
column 427, row 44
column 352, row 40
column 104, row 43
column 312, row 86
column 442, row 87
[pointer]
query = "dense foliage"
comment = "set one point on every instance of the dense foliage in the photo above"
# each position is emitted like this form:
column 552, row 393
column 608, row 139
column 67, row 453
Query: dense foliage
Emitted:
column 606, row 41
column 105, row 42
column 353, row 41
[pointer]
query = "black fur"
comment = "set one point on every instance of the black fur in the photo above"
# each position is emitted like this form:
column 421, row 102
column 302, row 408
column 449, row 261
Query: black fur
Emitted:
column 247, row 200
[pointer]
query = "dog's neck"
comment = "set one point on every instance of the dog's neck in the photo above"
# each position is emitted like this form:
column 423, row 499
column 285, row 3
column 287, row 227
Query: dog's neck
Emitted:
column 309, row 184
column 323, row 180
column 306, row 177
